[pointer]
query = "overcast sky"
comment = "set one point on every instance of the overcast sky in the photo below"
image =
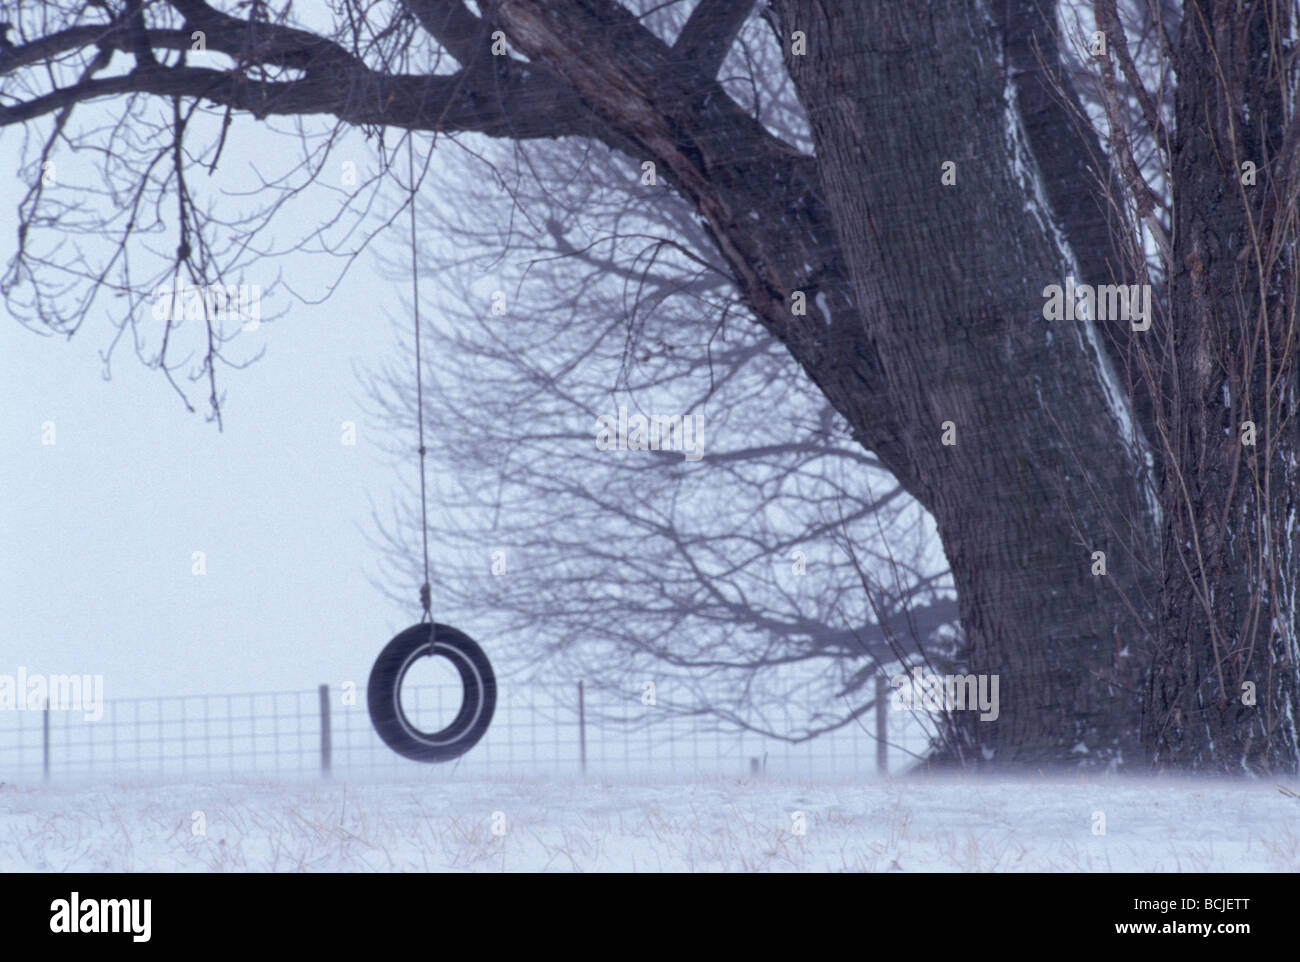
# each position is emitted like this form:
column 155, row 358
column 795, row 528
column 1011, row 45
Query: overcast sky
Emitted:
column 99, row 529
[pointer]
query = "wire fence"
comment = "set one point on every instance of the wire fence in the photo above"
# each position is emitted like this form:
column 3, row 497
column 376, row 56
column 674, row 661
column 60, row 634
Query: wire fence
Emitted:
column 536, row 729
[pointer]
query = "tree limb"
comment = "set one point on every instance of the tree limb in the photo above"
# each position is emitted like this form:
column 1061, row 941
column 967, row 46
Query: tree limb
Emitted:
column 708, row 35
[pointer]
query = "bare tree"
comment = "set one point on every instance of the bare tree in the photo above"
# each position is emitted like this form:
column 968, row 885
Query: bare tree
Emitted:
column 932, row 215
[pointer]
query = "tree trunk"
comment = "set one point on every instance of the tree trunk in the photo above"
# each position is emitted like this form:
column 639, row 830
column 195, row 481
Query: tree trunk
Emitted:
column 1223, row 678
column 949, row 281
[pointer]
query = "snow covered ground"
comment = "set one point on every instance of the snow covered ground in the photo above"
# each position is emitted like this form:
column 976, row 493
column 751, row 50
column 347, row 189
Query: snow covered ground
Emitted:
column 908, row 824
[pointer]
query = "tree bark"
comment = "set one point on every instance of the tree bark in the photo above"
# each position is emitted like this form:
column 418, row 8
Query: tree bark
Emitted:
column 949, row 283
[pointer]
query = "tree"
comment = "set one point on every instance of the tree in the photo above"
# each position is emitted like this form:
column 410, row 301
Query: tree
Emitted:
column 954, row 181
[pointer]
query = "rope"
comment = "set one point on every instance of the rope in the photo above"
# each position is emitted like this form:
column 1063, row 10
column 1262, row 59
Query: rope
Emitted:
column 425, row 594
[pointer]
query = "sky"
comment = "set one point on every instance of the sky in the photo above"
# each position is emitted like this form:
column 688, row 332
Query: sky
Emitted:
column 100, row 528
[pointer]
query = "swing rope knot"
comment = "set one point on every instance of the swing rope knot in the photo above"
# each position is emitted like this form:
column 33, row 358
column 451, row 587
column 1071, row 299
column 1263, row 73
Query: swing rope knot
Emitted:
column 426, row 601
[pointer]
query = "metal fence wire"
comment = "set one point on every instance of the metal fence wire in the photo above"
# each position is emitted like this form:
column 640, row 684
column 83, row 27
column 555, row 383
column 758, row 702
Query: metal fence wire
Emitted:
column 536, row 729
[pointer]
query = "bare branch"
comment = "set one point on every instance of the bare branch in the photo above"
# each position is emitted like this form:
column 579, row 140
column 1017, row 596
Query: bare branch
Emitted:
column 708, row 35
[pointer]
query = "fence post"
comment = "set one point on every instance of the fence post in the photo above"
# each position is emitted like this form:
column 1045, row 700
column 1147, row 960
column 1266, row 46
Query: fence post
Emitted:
column 325, row 729
column 45, row 741
column 582, row 728
column 882, row 725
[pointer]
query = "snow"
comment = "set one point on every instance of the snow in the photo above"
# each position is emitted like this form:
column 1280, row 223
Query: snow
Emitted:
column 1026, row 172
column 563, row 824
column 823, row 306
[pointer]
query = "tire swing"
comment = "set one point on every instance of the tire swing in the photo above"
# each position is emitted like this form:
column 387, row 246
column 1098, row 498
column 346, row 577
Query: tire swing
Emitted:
column 428, row 639
column 384, row 694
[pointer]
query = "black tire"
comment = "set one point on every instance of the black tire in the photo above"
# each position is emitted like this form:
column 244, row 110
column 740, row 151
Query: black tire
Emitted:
column 383, row 695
